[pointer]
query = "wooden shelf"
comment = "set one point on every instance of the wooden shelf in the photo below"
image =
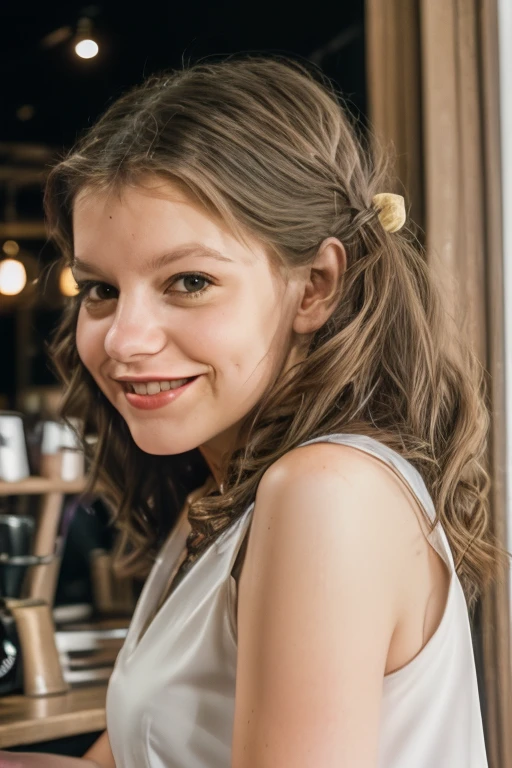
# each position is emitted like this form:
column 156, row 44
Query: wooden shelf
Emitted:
column 25, row 720
column 36, row 485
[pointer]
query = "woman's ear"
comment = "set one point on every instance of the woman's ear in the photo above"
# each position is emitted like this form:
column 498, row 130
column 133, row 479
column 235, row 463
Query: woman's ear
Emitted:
column 321, row 287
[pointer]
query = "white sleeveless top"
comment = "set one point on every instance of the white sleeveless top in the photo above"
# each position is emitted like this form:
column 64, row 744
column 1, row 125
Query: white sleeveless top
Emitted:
column 171, row 697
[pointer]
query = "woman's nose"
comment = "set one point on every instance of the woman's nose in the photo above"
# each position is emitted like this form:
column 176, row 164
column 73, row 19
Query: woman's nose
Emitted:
column 135, row 331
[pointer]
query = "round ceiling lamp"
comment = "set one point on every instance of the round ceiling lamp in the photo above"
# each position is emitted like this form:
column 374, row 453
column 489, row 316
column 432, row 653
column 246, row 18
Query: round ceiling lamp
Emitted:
column 18, row 278
column 86, row 49
column 11, row 248
column 13, row 277
column 81, row 35
column 85, row 46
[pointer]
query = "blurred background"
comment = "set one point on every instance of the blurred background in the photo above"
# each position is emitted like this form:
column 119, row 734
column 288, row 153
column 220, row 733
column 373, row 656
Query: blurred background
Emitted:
column 432, row 80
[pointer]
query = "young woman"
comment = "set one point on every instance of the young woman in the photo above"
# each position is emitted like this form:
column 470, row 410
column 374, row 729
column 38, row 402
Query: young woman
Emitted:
column 292, row 443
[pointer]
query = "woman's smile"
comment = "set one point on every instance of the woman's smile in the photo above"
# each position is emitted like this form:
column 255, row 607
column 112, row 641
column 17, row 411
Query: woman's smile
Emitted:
column 153, row 395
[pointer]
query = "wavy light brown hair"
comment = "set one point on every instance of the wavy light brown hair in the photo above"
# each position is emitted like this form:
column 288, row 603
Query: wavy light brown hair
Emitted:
column 265, row 145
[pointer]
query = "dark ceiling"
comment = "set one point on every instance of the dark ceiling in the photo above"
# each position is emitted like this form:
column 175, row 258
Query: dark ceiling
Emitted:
column 67, row 93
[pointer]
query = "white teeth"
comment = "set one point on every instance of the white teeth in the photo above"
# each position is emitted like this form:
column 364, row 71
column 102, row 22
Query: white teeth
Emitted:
column 154, row 387
column 177, row 383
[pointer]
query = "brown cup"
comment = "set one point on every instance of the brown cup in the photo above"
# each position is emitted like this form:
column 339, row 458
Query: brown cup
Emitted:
column 42, row 672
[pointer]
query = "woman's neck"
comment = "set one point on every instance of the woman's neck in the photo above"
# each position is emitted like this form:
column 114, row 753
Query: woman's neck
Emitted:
column 216, row 453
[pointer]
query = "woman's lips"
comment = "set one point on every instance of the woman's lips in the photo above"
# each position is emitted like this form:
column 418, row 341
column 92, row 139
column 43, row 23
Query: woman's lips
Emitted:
column 151, row 402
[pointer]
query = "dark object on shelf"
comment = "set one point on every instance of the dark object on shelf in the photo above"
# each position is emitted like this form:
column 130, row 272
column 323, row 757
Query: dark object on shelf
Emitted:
column 87, row 528
column 16, row 533
column 14, row 569
column 11, row 667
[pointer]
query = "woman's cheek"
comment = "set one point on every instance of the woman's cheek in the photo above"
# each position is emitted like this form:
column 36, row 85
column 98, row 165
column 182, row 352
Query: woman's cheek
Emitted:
column 79, row 336
column 88, row 341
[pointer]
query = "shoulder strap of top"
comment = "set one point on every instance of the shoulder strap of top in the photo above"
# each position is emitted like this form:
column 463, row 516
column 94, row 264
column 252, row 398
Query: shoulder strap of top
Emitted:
column 407, row 473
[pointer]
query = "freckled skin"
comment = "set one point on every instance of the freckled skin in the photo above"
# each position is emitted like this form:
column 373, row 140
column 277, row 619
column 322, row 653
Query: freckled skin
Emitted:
column 235, row 336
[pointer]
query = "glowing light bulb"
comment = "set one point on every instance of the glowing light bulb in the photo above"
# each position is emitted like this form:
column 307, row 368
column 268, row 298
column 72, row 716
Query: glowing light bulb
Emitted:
column 67, row 284
column 13, row 277
column 86, row 49
column 11, row 248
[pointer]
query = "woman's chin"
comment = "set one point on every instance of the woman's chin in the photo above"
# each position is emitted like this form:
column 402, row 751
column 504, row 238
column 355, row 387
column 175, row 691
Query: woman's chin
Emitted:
column 165, row 448
column 150, row 441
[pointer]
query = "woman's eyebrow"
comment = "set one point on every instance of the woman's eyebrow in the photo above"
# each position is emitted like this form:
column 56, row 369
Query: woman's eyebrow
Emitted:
column 157, row 262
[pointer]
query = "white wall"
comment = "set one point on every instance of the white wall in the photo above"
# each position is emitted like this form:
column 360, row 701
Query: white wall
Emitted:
column 505, row 34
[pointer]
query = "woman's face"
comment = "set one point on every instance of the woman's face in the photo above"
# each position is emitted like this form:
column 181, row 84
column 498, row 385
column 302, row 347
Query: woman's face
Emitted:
column 174, row 298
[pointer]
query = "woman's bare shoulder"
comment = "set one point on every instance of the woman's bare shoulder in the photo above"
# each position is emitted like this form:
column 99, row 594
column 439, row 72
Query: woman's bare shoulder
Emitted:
column 344, row 475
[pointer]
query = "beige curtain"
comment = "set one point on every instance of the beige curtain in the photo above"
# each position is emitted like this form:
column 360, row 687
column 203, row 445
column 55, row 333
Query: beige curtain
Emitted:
column 433, row 87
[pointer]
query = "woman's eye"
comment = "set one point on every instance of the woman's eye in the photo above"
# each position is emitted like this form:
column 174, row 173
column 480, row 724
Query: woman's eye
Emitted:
column 193, row 283
column 93, row 291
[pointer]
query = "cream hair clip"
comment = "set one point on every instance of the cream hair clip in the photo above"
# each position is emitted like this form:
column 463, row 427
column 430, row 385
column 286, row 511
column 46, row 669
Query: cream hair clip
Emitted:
column 391, row 210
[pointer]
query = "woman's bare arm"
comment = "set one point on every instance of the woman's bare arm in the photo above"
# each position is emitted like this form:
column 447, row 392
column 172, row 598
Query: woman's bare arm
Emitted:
column 98, row 756
column 317, row 608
